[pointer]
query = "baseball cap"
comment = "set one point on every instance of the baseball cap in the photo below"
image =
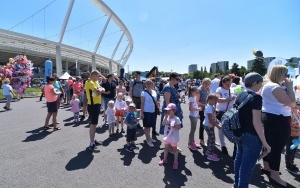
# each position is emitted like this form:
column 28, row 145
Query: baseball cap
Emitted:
column 171, row 106
column 128, row 100
column 132, row 105
column 253, row 77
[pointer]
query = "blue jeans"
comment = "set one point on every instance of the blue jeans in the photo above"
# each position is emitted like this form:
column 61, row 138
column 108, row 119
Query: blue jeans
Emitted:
column 106, row 102
column 248, row 150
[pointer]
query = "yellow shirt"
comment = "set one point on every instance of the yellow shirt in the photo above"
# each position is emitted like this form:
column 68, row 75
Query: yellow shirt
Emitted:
column 89, row 87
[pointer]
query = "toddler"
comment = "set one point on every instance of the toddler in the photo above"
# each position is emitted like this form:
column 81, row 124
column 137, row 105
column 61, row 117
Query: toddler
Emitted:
column 110, row 117
column 131, row 121
column 75, row 107
column 120, row 107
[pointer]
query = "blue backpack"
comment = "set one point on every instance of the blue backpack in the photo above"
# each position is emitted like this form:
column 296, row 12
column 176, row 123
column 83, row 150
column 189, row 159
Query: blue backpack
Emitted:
column 230, row 121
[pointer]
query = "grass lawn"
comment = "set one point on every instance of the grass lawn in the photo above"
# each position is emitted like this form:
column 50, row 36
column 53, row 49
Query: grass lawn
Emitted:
column 28, row 90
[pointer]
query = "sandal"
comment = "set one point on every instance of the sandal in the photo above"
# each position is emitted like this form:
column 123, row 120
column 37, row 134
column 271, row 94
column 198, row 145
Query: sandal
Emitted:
column 46, row 127
column 56, row 128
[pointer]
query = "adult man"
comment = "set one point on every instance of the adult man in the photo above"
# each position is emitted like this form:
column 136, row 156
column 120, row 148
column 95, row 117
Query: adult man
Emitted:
column 215, row 84
column 136, row 88
column 93, row 93
column 85, row 76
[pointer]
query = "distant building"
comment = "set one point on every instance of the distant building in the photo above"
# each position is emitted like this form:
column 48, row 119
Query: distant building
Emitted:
column 220, row 65
column 267, row 61
column 193, row 68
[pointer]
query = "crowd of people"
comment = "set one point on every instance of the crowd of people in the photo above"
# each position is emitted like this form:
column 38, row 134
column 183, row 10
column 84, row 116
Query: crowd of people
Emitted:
column 265, row 118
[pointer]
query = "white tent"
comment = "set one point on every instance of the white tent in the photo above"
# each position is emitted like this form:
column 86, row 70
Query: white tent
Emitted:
column 65, row 76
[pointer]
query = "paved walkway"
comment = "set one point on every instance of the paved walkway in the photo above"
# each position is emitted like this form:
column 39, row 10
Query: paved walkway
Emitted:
column 31, row 157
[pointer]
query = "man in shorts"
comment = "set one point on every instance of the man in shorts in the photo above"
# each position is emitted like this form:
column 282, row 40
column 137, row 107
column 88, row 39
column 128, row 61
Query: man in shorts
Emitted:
column 93, row 93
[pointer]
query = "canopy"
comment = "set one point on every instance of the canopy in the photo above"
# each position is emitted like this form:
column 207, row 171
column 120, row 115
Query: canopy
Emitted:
column 65, row 76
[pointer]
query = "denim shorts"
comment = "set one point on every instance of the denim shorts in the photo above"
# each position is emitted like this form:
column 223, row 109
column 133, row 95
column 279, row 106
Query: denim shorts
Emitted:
column 8, row 98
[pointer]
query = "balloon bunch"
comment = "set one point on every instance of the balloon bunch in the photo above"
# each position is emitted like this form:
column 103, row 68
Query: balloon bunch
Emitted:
column 19, row 71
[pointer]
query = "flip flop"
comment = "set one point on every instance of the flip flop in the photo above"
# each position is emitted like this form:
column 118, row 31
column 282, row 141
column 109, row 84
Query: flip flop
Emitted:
column 56, row 128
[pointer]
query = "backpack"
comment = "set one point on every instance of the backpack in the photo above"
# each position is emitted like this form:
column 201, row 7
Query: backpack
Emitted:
column 230, row 121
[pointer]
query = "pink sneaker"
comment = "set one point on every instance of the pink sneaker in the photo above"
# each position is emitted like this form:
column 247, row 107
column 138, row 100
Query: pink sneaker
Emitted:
column 162, row 162
column 213, row 157
column 175, row 166
column 192, row 146
column 197, row 145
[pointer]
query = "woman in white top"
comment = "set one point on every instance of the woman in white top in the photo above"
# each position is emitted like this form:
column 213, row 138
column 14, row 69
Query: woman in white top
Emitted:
column 276, row 112
column 226, row 98
column 148, row 113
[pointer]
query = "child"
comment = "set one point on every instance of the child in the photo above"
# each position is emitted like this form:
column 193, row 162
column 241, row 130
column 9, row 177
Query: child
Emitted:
column 171, row 134
column 194, row 115
column 131, row 121
column 126, row 111
column 110, row 117
column 75, row 107
column 209, row 123
column 120, row 107
column 8, row 94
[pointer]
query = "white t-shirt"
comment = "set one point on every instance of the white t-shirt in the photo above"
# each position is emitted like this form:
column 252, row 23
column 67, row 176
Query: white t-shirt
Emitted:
column 110, row 112
column 270, row 103
column 171, row 134
column 6, row 89
column 194, row 105
column 120, row 104
column 225, row 94
column 149, row 105
column 214, row 85
column 208, row 110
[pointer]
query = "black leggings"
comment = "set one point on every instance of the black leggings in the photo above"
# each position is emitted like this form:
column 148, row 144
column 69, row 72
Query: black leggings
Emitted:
column 201, row 129
column 277, row 132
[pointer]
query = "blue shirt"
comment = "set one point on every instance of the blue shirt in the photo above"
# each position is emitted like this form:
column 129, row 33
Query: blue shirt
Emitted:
column 57, row 85
column 131, row 118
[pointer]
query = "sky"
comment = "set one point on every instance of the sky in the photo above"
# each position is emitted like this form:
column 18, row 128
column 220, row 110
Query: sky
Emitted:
column 173, row 34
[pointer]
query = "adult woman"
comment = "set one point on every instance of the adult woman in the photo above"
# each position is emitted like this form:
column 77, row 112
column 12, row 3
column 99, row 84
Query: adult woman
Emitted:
column 253, row 140
column 148, row 113
column 171, row 95
column 277, row 104
column 225, row 102
column 204, row 91
column 121, row 89
column 51, row 95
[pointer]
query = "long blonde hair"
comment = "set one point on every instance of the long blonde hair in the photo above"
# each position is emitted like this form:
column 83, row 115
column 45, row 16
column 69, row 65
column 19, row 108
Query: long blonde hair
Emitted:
column 277, row 73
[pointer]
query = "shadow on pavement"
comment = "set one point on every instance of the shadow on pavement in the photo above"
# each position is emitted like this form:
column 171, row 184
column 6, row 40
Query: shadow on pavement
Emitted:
column 37, row 134
column 175, row 178
column 81, row 161
column 147, row 153
column 128, row 156
column 108, row 140
column 199, row 159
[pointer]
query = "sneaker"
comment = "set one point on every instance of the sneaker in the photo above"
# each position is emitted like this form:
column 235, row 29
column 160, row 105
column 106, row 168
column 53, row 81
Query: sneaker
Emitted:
column 122, row 130
column 5, row 107
column 82, row 118
column 213, row 157
column 97, row 143
column 133, row 146
column 152, row 140
column 129, row 149
column 203, row 143
column 207, row 153
column 197, row 145
column 217, row 144
column 293, row 170
column 92, row 147
column 162, row 162
column 150, row 144
column 192, row 147
column 175, row 166
column 117, row 132
column 224, row 150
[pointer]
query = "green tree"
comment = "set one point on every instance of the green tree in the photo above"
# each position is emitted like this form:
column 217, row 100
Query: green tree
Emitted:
column 259, row 66
column 197, row 74
column 243, row 71
column 201, row 70
column 235, row 69
column 205, row 71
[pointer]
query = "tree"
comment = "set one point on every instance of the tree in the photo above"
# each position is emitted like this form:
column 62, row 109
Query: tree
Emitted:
column 210, row 70
column 205, row 71
column 201, row 70
column 259, row 66
column 235, row 69
column 243, row 71
column 197, row 74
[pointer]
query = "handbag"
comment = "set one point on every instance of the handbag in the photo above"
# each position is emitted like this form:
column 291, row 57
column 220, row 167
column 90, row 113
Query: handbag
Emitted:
column 219, row 114
column 157, row 111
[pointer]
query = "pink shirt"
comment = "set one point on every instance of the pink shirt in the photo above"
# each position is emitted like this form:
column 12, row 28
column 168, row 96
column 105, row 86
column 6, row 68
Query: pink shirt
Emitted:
column 75, row 105
column 50, row 97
